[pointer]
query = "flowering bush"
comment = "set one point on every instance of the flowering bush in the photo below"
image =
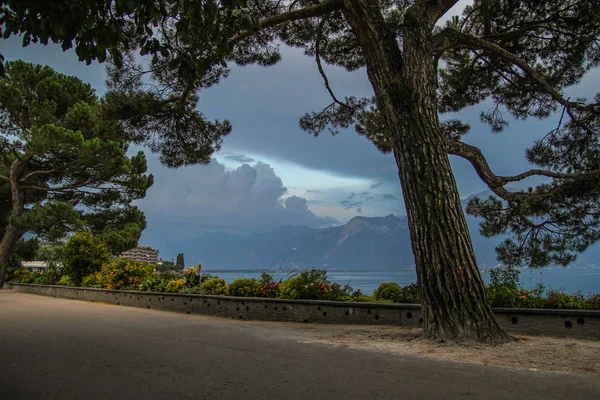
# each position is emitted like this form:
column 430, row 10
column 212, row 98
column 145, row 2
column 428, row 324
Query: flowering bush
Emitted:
column 21, row 275
column 91, row 281
column 562, row 300
column 192, row 275
column 267, row 286
column 124, row 273
column 215, row 286
column 153, row 283
column 313, row 284
column 175, row 286
column 244, row 287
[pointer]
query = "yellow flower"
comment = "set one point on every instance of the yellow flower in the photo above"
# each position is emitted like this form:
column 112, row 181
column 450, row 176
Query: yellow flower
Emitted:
column 522, row 297
column 306, row 287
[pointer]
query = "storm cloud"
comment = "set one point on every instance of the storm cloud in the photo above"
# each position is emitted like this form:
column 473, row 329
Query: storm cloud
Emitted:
column 213, row 197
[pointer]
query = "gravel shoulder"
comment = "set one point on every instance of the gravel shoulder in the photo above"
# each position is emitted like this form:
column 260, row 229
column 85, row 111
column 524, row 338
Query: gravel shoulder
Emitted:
column 535, row 353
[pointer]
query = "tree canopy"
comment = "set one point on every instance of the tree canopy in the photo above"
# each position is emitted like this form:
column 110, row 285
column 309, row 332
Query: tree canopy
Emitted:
column 518, row 56
column 64, row 162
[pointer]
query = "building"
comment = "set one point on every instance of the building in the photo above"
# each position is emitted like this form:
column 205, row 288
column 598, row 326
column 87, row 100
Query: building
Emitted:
column 144, row 254
column 37, row 266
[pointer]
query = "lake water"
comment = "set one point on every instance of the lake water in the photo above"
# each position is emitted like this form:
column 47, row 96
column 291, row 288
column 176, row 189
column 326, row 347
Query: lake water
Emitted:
column 575, row 279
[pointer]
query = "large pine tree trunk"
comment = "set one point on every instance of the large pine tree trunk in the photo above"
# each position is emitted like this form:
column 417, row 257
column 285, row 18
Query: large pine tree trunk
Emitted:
column 453, row 297
column 12, row 232
column 7, row 245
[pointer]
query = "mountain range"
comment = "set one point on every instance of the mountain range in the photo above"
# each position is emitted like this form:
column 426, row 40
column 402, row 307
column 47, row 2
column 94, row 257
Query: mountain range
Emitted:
column 364, row 243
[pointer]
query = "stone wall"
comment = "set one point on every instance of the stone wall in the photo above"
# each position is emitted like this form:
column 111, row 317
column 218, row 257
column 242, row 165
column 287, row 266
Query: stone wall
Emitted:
column 571, row 323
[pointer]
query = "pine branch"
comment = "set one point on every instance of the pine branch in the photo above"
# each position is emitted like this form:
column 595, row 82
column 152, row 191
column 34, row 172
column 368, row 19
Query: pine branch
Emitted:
column 474, row 43
column 41, row 172
column 324, row 8
column 495, row 182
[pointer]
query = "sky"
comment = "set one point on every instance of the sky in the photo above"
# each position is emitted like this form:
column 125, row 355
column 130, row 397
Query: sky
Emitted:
column 269, row 172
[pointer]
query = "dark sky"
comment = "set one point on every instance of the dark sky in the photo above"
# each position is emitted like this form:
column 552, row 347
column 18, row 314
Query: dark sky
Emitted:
column 269, row 172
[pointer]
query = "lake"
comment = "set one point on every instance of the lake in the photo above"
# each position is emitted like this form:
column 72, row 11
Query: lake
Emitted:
column 575, row 279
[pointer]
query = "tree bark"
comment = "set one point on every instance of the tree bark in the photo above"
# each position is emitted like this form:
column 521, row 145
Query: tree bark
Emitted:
column 454, row 306
column 12, row 232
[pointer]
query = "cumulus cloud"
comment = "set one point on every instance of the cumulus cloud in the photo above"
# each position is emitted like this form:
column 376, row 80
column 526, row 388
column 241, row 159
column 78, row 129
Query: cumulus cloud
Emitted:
column 212, row 197
column 314, row 191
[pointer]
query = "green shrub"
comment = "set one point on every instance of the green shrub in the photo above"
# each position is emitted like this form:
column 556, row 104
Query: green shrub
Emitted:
column 391, row 291
column 83, row 254
column 65, row 280
column 91, row 281
column 561, row 300
column 243, row 287
column 175, row 286
column 411, row 294
column 194, row 290
column 501, row 295
column 22, row 275
column 388, row 291
column 313, row 285
column 593, row 301
column 215, row 286
column 123, row 273
column 366, row 299
column 154, row 283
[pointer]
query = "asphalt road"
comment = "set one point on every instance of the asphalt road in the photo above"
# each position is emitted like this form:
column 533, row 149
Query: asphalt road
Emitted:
column 63, row 349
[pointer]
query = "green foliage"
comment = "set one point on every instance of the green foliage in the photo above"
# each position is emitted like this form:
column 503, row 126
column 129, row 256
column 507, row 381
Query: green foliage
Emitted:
column 123, row 273
column 25, row 250
column 192, row 276
column 313, row 284
column 66, row 280
column 52, row 257
column 180, row 261
column 388, row 291
column 175, row 286
column 267, row 285
column 167, row 267
column 244, row 287
column 391, row 291
column 215, row 286
column 83, row 254
column 194, row 290
column 69, row 159
column 20, row 275
column 561, row 300
column 91, row 281
column 499, row 295
column 153, row 283
column 505, row 275
column 366, row 299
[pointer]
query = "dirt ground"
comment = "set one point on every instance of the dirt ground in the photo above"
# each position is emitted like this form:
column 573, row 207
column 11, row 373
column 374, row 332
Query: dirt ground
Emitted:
column 529, row 352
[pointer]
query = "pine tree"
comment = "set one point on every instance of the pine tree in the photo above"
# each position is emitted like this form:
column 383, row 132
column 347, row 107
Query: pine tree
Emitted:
column 64, row 162
column 518, row 55
column 180, row 263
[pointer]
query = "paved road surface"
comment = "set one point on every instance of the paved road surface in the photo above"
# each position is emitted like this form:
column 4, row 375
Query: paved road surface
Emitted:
column 62, row 349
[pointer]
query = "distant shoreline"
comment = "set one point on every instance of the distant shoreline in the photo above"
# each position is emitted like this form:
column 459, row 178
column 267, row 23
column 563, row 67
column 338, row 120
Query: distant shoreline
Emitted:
column 294, row 270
